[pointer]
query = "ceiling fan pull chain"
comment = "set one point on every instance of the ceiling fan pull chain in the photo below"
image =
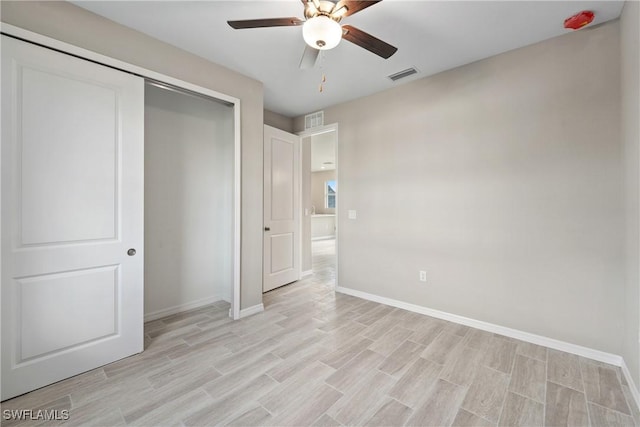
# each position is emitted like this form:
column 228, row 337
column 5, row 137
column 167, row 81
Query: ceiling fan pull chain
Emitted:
column 324, row 77
column 322, row 82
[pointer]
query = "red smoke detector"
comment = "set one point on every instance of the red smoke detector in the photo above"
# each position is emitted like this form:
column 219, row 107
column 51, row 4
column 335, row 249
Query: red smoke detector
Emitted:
column 579, row 20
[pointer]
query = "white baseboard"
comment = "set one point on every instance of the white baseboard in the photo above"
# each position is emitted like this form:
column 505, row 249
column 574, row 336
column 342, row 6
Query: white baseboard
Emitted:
column 306, row 273
column 251, row 310
column 159, row 314
column 601, row 356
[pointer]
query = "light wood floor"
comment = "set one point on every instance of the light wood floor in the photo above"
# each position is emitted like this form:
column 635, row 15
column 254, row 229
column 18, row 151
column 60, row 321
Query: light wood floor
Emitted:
column 319, row 358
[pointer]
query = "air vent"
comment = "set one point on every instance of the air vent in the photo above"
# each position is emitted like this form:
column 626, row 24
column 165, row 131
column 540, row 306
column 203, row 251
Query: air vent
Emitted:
column 314, row 120
column 402, row 74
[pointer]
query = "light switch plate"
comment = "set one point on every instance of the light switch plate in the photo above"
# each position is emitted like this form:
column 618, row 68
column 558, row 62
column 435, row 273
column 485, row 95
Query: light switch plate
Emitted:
column 352, row 214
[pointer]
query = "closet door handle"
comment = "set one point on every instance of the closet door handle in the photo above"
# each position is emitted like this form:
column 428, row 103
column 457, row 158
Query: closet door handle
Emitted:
column 267, row 229
column 131, row 252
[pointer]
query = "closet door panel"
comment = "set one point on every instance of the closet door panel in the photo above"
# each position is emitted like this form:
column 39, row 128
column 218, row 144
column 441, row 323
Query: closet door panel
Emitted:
column 71, row 164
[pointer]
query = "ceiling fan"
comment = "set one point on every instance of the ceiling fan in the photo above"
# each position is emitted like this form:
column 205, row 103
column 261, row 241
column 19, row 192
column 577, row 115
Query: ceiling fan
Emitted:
column 321, row 29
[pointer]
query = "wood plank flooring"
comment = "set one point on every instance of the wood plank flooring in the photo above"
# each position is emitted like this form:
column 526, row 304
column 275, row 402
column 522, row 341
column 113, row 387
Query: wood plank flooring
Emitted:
column 318, row 358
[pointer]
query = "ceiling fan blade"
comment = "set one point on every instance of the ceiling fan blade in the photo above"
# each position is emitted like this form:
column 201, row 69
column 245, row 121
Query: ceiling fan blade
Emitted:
column 309, row 57
column 367, row 41
column 354, row 6
column 261, row 23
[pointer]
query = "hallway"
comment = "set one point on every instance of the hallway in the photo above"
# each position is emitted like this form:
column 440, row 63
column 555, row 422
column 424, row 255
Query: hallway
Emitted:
column 323, row 253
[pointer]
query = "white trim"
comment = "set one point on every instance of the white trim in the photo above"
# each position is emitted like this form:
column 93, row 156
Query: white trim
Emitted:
column 318, row 130
column 52, row 43
column 306, row 273
column 159, row 314
column 302, row 213
column 250, row 311
column 237, row 217
column 631, row 383
column 601, row 356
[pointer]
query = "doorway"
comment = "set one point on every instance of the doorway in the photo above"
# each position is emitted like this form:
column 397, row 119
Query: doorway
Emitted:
column 320, row 203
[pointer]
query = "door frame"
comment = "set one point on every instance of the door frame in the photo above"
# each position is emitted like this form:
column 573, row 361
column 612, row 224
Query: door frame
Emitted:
column 63, row 47
column 333, row 127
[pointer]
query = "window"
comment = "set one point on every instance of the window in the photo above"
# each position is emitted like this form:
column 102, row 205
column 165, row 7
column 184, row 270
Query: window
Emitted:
column 330, row 194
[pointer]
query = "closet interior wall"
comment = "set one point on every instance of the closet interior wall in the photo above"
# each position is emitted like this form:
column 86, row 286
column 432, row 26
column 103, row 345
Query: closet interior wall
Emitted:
column 189, row 158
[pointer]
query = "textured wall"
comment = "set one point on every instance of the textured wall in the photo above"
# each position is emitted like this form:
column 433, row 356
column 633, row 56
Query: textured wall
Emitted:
column 278, row 121
column 503, row 180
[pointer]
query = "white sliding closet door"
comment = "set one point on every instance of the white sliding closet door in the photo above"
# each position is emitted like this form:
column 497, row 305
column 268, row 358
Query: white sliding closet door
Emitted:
column 72, row 164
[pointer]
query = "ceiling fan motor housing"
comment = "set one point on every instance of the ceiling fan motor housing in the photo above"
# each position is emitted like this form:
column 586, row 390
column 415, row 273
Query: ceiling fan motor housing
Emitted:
column 322, row 7
column 322, row 32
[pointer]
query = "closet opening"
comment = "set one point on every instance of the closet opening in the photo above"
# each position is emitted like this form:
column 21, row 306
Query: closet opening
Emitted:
column 189, row 191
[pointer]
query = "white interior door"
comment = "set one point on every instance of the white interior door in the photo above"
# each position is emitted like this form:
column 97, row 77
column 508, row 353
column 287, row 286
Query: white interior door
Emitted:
column 71, row 164
column 281, row 208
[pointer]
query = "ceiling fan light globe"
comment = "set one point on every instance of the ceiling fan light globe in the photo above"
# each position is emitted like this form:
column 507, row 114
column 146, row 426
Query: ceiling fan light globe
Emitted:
column 322, row 33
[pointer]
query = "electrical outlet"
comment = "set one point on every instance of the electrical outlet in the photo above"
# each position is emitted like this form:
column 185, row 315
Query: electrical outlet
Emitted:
column 423, row 276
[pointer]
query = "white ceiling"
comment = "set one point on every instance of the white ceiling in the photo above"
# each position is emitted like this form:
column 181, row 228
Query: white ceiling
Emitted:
column 323, row 152
column 432, row 36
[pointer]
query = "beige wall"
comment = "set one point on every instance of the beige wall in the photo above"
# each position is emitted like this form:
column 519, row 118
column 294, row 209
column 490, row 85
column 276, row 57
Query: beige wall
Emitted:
column 74, row 25
column 317, row 190
column 630, row 56
column 502, row 179
column 188, row 200
column 278, row 121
